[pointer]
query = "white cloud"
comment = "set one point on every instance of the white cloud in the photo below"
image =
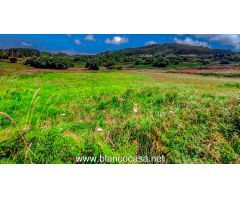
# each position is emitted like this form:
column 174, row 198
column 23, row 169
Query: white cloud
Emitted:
column 150, row 42
column 117, row 40
column 77, row 42
column 26, row 44
column 229, row 40
column 232, row 40
column 90, row 38
column 191, row 42
column 204, row 36
column 69, row 52
column 237, row 46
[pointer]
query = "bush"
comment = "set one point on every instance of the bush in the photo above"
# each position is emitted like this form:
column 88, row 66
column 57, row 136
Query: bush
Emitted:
column 224, row 62
column 204, row 61
column 49, row 62
column 109, row 64
column 13, row 60
column 77, row 59
column 160, row 62
column 148, row 60
column 128, row 59
column 139, row 61
column 22, row 52
column 93, row 64
column 3, row 56
column 118, row 67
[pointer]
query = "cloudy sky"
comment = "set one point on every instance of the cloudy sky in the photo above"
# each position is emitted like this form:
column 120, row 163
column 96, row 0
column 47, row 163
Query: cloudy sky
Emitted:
column 91, row 44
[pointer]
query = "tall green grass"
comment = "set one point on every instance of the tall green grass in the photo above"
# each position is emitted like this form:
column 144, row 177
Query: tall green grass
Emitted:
column 138, row 115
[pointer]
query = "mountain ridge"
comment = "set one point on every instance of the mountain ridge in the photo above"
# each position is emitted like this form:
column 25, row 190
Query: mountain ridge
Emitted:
column 169, row 48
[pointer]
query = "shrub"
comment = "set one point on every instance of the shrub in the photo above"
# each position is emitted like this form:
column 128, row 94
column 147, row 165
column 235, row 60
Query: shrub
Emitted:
column 109, row 64
column 93, row 64
column 148, row 60
column 77, row 59
column 13, row 59
column 112, row 65
column 49, row 62
column 160, row 62
column 205, row 62
column 118, row 67
column 224, row 62
column 3, row 56
column 139, row 61
column 128, row 59
column 22, row 52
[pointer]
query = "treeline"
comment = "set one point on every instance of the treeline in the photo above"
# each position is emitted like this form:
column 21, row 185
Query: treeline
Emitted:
column 35, row 58
column 18, row 53
column 50, row 62
column 94, row 62
column 114, row 60
column 173, row 48
column 159, row 56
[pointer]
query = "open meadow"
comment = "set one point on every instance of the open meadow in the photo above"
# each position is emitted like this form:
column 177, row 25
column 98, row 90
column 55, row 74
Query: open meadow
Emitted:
column 52, row 117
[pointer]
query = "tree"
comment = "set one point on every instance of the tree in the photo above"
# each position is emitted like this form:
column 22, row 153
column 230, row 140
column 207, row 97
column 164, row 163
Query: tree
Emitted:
column 109, row 64
column 204, row 61
column 49, row 62
column 160, row 62
column 22, row 52
column 139, row 61
column 224, row 62
column 3, row 54
column 92, row 64
column 13, row 59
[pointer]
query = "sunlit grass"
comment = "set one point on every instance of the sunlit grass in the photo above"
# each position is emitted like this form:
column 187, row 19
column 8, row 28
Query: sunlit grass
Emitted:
column 187, row 118
column 6, row 68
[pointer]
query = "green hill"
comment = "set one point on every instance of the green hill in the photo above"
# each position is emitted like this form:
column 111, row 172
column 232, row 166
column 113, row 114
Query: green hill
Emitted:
column 163, row 49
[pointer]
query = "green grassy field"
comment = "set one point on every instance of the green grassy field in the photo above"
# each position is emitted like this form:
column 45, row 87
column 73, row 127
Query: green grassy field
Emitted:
column 79, row 64
column 8, row 68
column 186, row 118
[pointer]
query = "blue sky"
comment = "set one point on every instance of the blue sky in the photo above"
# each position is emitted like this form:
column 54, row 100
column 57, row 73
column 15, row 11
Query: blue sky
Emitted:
column 92, row 44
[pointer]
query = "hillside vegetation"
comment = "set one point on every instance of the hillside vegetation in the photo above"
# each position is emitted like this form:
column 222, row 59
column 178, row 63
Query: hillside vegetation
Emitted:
column 164, row 56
